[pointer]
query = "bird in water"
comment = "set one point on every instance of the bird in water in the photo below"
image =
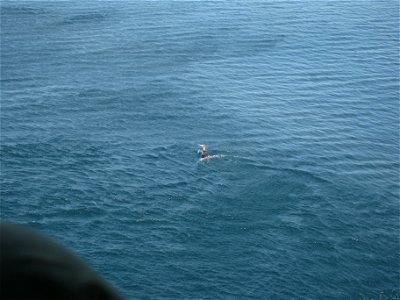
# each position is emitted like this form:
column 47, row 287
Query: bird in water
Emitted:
column 204, row 152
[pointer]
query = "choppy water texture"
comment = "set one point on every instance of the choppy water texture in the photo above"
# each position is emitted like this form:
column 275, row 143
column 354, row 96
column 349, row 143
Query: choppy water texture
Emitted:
column 104, row 104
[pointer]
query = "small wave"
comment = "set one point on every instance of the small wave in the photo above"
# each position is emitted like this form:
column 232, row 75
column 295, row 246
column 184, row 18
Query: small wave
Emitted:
column 21, row 10
column 294, row 171
column 211, row 157
column 83, row 18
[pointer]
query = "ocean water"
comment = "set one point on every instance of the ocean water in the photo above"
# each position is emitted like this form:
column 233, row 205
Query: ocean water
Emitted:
column 104, row 103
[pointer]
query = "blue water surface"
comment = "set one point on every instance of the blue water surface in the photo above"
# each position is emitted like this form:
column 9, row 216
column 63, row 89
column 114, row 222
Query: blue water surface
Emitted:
column 104, row 103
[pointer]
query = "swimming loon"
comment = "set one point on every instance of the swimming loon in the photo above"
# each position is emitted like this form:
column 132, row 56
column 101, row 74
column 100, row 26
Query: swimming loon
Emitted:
column 204, row 152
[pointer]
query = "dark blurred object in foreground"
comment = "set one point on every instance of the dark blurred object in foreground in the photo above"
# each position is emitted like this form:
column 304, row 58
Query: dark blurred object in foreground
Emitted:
column 34, row 266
